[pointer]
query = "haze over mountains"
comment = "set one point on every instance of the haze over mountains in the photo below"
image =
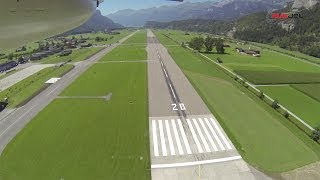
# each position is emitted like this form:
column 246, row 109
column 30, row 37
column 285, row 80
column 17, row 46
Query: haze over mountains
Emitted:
column 97, row 22
column 224, row 10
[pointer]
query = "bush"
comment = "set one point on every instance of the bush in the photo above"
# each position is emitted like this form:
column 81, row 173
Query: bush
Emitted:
column 316, row 134
column 275, row 104
column 286, row 115
column 261, row 95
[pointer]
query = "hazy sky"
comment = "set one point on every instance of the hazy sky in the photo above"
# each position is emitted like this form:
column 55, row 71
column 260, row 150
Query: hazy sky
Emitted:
column 110, row 6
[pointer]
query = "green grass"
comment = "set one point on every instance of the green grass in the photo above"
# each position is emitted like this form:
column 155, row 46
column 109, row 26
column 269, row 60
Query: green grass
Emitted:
column 127, row 53
column 87, row 138
column 77, row 55
column 30, row 86
column 279, row 77
column 139, row 38
column 263, row 137
column 302, row 105
column 312, row 90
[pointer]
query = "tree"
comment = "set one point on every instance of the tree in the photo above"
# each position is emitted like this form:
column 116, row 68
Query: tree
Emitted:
column 196, row 43
column 316, row 134
column 183, row 45
column 10, row 56
column 261, row 95
column 219, row 46
column 275, row 104
column 208, row 43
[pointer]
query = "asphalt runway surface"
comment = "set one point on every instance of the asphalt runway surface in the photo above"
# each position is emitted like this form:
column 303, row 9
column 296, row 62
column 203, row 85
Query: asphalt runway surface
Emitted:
column 186, row 140
column 13, row 123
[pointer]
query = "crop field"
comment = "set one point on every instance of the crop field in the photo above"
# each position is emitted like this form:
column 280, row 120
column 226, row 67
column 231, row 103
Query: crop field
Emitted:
column 87, row 138
column 264, row 138
column 297, row 102
column 311, row 90
column 279, row 77
column 77, row 55
column 25, row 89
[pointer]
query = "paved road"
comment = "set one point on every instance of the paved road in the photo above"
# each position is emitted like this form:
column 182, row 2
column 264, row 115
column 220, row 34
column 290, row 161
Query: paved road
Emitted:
column 13, row 123
column 186, row 140
column 21, row 75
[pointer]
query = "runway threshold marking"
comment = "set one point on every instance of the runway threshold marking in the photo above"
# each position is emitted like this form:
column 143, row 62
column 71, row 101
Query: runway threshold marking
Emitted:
column 184, row 137
column 195, row 163
column 176, row 135
column 172, row 151
column 162, row 139
column 206, row 146
column 155, row 138
column 196, row 140
column 224, row 139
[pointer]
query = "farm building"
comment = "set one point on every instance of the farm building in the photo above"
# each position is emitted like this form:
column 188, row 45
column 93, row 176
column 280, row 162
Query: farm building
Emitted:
column 65, row 53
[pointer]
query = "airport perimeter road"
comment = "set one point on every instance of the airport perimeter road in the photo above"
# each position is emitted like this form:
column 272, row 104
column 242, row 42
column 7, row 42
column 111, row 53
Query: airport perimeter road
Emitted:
column 186, row 140
column 14, row 122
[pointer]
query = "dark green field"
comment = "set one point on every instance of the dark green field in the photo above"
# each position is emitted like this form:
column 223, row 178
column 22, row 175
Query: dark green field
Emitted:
column 279, row 77
column 87, row 138
column 264, row 138
column 312, row 90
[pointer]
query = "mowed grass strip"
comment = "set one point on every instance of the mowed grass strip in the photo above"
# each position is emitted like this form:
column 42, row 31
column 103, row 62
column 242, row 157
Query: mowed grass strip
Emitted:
column 312, row 90
column 279, row 77
column 264, row 138
column 87, row 138
column 30, row 86
column 302, row 105
column 139, row 38
column 77, row 55
column 127, row 53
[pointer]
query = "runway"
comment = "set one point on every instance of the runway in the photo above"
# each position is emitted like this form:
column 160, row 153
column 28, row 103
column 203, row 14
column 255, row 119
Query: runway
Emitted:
column 13, row 123
column 186, row 140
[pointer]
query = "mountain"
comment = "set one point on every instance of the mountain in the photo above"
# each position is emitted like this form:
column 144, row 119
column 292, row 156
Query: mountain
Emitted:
column 97, row 22
column 304, row 3
column 227, row 9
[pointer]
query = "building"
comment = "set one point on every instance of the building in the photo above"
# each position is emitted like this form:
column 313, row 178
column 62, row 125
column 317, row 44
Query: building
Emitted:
column 254, row 53
column 86, row 45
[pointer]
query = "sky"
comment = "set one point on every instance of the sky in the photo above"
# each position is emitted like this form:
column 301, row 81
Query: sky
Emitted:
column 111, row 6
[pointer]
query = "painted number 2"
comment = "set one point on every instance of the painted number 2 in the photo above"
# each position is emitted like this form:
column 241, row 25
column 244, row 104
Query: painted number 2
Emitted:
column 180, row 106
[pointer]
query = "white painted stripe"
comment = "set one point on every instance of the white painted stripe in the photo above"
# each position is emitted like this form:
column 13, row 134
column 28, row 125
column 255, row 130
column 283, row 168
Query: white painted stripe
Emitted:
column 176, row 135
column 184, row 137
column 208, row 135
column 206, row 146
column 162, row 139
column 196, row 140
column 172, row 91
column 195, row 163
column 155, row 138
column 224, row 139
column 165, row 72
column 215, row 135
column 171, row 147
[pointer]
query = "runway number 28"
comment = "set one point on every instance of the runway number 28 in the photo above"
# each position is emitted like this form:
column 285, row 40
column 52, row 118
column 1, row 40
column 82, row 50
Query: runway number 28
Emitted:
column 180, row 106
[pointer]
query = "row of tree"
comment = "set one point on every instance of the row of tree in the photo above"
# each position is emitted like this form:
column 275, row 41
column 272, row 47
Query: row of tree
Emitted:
column 198, row 43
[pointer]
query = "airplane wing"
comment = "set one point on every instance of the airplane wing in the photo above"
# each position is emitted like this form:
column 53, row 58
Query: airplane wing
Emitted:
column 23, row 21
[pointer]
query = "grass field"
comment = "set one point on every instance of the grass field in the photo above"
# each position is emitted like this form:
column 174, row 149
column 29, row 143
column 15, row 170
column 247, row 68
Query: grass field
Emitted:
column 133, row 49
column 279, row 77
column 139, row 38
column 112, row 38
column 312, row 90
column 87, row 138
column 77, row 55
column 297, row 102
column 264, row 138
column 26, row 88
